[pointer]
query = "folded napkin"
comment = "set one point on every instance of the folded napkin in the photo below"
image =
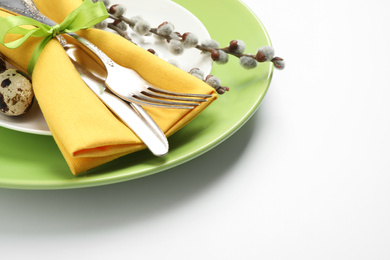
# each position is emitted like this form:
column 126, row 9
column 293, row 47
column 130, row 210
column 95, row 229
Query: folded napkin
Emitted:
column 86, row 132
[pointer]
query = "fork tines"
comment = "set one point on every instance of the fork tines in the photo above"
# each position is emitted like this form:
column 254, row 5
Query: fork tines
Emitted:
column 153, row 96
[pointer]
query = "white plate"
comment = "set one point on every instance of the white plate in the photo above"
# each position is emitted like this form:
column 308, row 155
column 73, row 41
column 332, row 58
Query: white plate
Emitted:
column 154, row 11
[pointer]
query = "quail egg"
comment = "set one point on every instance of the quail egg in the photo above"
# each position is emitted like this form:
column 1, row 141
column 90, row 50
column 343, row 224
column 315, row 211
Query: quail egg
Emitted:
column 16, row 93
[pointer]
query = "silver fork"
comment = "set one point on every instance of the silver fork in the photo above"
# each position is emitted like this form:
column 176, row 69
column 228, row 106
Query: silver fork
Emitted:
column 137, row 91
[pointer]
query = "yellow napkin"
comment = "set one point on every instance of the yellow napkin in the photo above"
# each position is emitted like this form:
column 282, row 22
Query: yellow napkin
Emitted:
column 86, row 132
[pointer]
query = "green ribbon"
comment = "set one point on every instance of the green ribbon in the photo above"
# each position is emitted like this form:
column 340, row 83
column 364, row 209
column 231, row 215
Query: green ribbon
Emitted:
column 85, row 16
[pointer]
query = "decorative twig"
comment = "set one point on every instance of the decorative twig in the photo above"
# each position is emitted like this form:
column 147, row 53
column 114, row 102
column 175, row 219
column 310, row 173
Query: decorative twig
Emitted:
column 119, row 30
column 178, row 42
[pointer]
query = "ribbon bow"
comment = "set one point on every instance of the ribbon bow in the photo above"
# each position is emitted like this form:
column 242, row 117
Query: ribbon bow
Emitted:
column 85, row 16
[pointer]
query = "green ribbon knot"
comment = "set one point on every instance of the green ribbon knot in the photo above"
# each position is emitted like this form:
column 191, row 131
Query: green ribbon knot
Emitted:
column 85, row 16
column 55, row 30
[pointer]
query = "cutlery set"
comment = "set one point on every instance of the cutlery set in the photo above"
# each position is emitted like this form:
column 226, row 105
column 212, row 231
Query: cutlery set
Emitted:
column 121, row 89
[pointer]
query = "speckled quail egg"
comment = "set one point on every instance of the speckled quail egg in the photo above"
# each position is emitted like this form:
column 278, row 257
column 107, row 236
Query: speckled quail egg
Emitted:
column 16, row 93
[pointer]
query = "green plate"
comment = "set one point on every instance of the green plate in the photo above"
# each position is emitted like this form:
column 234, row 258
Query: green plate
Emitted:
column 29, row 161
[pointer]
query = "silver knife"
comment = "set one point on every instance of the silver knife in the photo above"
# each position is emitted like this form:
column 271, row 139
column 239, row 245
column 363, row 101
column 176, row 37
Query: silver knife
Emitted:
column 133, row 115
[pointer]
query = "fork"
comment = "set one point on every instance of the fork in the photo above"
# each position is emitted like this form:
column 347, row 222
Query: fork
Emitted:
column 139, row 91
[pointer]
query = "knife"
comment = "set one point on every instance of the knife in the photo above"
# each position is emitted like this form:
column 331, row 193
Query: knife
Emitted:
column 132, row 115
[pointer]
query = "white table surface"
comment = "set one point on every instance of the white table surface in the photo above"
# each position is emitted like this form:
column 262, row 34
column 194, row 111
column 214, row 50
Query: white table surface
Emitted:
column 308, row 177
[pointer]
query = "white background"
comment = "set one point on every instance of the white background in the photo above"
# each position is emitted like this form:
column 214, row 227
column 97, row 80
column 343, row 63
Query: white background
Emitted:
column 308, row 177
